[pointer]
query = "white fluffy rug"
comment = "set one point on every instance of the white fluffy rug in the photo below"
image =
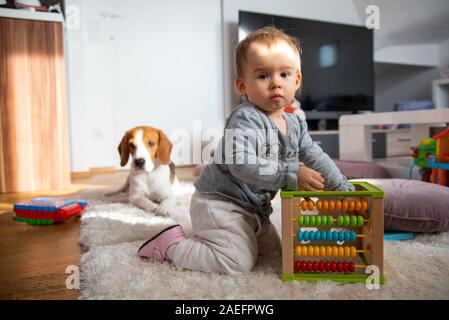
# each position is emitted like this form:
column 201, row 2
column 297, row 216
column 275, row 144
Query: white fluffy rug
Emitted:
column 112, row 230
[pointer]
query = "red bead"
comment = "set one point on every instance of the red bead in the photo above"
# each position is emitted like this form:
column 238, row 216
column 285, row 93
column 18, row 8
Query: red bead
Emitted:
column 303, row 266
column 339, row 267
column 297, row 266
column 345, row 266
column 333, row 266
column 327, row 266
column 321, row 266
column 309, row 265
column 351, row 266
column 315, row 266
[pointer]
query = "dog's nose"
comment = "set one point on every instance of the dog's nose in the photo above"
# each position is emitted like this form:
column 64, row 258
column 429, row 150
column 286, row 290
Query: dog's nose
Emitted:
column 139, row 162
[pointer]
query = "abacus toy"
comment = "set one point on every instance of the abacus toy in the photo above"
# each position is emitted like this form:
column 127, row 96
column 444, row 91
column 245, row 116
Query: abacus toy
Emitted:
column 332, row 235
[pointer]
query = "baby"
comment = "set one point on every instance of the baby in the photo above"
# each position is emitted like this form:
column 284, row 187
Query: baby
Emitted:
column 263, row 150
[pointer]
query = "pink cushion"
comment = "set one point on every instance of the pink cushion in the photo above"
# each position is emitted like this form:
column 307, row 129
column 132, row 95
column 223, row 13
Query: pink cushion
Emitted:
column 361, row 169
column 415, row 206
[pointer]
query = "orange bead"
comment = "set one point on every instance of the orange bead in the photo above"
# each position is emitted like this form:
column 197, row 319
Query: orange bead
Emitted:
column 351, row 205
column 331, row 204
column 319, row 205
column 358, row 206
column 304, row 205
column 344, row 205
column 338, row 204
column 325, row 205
column 364, row 205
column 311, row 205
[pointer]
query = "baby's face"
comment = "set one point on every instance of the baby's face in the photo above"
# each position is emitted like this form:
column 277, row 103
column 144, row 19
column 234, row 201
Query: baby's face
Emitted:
column 271, row 76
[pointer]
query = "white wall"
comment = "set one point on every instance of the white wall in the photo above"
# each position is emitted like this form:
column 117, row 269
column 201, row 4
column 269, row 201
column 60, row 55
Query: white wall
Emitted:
column 340, row 11
column 141, row 63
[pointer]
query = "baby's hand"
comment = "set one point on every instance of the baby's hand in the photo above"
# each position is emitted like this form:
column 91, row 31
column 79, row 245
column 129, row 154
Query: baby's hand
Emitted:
column 309, row 180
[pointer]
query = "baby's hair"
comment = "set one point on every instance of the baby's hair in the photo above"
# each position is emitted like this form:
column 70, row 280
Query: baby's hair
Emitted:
column 267, row 35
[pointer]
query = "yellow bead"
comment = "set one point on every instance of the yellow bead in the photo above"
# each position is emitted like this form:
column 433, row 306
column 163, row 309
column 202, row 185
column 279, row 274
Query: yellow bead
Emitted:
column 310, row 205
column 310, row 251
column 319, row 205
column 347, row 252
column 323, row 251
column 331, row 204
column 353, row 252
column 341, row 251
column 335, row 251
column 317, row 251
column 298, row 251
column 329, row 251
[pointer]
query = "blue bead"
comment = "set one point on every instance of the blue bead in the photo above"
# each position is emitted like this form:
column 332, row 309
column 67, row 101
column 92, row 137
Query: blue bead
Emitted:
column 306, row 236
column 353, row 236
column 312, row 235
column 323, row 235
column 347, row 235
column 334, row 236
column 299, row 236
column 329, row 235
column 317, row 236
column 341, row 236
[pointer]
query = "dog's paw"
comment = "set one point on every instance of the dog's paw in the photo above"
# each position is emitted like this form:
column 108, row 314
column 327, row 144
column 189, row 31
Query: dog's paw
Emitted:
column 161, row 211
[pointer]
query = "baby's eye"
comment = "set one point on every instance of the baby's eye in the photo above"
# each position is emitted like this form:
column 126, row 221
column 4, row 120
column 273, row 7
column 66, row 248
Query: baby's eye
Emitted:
column 284, row 74
column 262, row 76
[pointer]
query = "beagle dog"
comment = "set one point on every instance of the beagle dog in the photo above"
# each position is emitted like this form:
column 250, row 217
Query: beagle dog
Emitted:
column 152, row 174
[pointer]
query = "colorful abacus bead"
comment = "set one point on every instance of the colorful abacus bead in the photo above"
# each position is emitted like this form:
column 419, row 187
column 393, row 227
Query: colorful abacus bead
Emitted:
column 324, row 266
column 326, row 235
column 330, row 251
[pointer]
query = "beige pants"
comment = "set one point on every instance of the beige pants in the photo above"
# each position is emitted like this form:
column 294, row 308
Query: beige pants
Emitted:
column 227, row 238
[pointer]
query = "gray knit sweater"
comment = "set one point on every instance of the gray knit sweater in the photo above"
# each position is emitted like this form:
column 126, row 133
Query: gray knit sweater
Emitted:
column 253, row 160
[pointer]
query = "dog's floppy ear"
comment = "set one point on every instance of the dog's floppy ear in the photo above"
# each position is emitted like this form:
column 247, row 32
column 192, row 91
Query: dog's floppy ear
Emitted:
column 164, row 148
column 123, row 150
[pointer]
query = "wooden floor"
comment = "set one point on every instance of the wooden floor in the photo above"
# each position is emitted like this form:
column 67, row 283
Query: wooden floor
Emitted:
column 33, row 259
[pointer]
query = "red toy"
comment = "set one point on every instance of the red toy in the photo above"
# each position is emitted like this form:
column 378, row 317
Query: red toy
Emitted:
column 46, row 210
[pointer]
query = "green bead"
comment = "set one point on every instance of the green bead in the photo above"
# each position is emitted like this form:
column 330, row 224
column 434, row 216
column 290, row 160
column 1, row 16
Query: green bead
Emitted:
column 360, row 221
column 300, row 220
column 306, row 220
column 330, row 220
column 318, row 221
column 353, row 221
column 340, row 220
column 312, row 221
column 347, row 220
column 323, row 220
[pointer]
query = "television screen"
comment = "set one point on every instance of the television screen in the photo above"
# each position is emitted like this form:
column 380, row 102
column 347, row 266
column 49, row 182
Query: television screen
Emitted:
column 337, row 61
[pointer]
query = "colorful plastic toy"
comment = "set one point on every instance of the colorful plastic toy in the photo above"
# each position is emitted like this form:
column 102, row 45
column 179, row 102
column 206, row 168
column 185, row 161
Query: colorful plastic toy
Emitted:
column 432, row 156
column 47, row 210
column 332, row 235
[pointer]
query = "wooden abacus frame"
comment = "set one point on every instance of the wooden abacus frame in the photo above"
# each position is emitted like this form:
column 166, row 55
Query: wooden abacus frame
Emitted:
column 372, row 232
